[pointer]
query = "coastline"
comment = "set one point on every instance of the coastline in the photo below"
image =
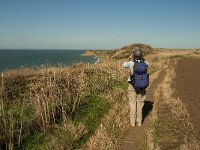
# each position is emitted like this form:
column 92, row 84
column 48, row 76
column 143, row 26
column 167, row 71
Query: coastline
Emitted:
column 89, row 53
column 94, row 54
column 55, row 88
column 17, row 59
column 84, row 98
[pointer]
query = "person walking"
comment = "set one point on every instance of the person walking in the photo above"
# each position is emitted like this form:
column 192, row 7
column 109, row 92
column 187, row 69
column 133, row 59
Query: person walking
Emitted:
column 138, row 82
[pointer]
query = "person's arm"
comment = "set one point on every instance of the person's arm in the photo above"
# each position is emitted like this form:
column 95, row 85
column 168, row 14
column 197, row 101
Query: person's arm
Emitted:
column 147, row 63
column 127, row 63
column 130, row 57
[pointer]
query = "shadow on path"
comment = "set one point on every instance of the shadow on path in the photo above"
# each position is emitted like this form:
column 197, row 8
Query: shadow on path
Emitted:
column 148, row 106
column 134, row 138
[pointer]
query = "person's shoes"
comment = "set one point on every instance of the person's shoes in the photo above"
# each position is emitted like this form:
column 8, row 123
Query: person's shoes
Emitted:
column 132, row 125
column 139, row 124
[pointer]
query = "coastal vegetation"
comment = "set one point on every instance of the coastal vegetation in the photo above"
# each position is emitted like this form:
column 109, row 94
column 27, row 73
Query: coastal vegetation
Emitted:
column 40, row 106
column 77, row 107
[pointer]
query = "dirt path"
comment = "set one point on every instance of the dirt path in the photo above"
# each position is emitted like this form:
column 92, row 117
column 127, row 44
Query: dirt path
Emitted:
column 187, row 85
column 134, row 138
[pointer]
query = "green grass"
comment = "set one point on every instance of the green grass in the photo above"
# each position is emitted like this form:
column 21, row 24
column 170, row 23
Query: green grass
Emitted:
column 91, row 111
column 36, row 142
column 99, row 81
column 152, row 71
column 144, row 143
column 90, row 114
column 93, row 107
column 15, row 109
column 167, row 128
column 156, row 131
column 59, row 138
column 15, row 87
column 121, row 85
column 176, row 56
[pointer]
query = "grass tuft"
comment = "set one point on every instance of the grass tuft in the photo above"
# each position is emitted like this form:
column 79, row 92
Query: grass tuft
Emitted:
column 90, row 113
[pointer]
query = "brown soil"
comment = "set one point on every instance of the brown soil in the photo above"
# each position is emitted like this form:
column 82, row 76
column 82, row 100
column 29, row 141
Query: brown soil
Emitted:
column 134, row 138
column 187, row 85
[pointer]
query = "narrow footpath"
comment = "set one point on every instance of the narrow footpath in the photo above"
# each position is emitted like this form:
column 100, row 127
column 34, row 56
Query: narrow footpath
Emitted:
column 134, row 138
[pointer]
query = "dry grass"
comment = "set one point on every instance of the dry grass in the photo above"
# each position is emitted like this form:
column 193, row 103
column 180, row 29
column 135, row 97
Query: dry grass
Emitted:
column 113, row 126
column 116, row 122
column 159, row 61
column 126, row 51
column 48, row 101
column 41, row 100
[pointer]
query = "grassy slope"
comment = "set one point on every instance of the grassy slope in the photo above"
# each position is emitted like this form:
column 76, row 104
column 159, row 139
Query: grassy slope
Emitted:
column 55, row 108
column 63, row 108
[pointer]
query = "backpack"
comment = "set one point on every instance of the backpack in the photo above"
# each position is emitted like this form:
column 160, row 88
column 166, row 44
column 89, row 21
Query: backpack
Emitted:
column 140, row 77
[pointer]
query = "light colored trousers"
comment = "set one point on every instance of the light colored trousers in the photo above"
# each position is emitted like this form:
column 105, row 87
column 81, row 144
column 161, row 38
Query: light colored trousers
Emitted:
column 136, row 102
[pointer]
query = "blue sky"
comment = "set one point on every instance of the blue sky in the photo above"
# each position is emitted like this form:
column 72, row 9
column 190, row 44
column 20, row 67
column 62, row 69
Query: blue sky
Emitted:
column 99, row 24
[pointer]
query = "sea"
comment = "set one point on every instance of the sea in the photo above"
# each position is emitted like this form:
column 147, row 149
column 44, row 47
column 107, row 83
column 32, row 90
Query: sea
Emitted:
column 13, row 59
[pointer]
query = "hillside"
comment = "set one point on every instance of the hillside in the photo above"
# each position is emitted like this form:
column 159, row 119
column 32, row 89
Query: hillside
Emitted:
column 84, row 106
column 126, row 51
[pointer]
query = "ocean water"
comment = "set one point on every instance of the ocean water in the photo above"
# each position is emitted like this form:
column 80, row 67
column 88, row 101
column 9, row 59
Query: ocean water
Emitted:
column 12, row 59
